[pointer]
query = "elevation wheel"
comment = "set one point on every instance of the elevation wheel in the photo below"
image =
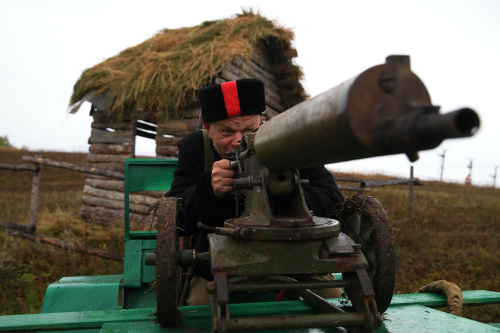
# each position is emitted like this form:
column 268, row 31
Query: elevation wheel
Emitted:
column 167, row 273
column 366, row 222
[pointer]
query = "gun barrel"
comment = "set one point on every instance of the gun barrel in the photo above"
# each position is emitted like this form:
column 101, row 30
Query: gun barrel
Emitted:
column 384, row 110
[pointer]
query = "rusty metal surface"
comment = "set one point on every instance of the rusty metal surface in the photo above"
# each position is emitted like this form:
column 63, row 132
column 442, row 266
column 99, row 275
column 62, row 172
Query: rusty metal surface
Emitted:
column 167, row 274
column 239, row 257
column 357, row 119
column 252, row 228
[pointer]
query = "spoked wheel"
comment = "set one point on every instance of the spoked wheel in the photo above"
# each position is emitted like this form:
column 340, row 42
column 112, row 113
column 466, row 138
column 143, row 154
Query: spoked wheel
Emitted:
column 366, row 222
column 167, row 273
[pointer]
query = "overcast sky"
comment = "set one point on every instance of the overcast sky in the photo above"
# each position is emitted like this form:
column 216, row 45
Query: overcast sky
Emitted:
column 454, row 48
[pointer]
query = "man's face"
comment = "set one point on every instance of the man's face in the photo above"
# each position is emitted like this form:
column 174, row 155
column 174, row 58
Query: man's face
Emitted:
column 226, row 133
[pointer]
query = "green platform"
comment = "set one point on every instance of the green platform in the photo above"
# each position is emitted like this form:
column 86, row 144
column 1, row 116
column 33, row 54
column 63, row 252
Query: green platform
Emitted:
column 93, row 304
column 407, row 313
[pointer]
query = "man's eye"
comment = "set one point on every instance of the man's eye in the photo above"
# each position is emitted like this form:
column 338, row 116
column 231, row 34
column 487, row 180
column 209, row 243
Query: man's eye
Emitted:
column 226, row 132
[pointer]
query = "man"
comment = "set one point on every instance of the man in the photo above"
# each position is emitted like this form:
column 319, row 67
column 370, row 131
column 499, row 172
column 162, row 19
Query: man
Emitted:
column 229, row 110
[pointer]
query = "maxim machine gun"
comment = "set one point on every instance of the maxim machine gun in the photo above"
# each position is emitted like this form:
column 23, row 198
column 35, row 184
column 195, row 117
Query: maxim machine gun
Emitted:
column 384, row 110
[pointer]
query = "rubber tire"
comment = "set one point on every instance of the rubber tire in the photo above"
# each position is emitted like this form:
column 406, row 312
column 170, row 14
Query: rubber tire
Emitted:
column 376, row 237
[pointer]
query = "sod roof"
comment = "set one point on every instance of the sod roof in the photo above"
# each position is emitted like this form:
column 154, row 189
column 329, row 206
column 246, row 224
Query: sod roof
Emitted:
column 162, row 73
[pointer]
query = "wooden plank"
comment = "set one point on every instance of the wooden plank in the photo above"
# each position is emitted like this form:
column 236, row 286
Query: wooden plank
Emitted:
column 111, row 217
column 353, row 188
column 228, row 75
column 91, row 176
column 112, row 185
column 153, row 194
column 261, row 61
column 68, row 246
column 118, row 136
column 96, row 158
column 286, row 82
column 167, row 150
column 177, row 127
column 274, row 104
column 255, row 67
column 242, row 74
column 267, row 79
column 96, row 201
column 73, row 167
column 115, row 166
column 118, row 196
column 189, row 124
column 101, row 148
column 380, row 183
column 163, row 141
column 17, row 226
column 190, row 112
column 219, row 80
column 35, row 190
column 290, row 53
column 123, row 125
column 18, row 167
column 281, row 68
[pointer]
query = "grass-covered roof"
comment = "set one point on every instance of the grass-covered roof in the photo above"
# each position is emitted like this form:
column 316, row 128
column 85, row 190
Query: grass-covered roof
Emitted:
column 158, row 74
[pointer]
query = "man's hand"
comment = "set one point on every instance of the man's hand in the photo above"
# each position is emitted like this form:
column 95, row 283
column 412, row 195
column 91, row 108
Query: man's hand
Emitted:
column 222, row 178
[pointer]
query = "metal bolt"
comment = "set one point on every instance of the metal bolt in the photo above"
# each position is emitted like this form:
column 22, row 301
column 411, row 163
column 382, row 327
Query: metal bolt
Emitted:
column 388, row 80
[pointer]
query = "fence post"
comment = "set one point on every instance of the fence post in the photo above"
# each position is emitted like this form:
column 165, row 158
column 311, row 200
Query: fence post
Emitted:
column 35, row 190
column 410, row 203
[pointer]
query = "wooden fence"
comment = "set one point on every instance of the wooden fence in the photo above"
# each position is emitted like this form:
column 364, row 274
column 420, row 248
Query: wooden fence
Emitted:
column 366, row 184
column 28, row 230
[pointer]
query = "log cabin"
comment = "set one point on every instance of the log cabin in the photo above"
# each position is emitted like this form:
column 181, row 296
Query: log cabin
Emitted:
column 149, row 90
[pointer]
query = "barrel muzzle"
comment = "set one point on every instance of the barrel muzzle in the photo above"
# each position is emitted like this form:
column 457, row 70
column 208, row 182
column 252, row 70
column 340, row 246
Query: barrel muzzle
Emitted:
column 425, row 129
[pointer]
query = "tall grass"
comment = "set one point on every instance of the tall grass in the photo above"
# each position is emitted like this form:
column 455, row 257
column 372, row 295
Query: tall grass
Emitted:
column 454, row 236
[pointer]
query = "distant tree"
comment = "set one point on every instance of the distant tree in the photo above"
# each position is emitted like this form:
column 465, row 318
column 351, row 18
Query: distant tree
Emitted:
column 4, row 142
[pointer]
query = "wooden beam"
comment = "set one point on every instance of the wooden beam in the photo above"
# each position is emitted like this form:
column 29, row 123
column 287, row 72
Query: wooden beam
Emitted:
column 107, row 217
column 101, row 148
column 118, row 196
column 114, row 166
column 287, row 82
column 103, row 202
column 167, row 150
column 163, row 141
column 268, row 78
column 261, row 61
column 118, row 136
column 112, row 185
column 18, row 167
column 281, row 68
column 17, row 226
column 35, row 190
column 124, row 125
column 290, row 53
column 68, row 246
column 73, row 167
column 96, row 158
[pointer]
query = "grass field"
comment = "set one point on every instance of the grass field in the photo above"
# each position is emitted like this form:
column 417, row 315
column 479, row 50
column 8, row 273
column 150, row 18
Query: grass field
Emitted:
column 454, row 235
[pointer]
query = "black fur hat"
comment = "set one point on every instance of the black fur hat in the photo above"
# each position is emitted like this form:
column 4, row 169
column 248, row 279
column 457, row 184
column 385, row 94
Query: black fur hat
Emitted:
column 242, row 97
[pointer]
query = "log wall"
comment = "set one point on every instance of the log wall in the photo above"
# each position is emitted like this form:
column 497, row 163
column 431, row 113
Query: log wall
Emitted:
column 111, row 142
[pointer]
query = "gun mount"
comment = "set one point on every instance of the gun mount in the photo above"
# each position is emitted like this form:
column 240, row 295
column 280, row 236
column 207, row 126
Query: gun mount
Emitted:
column 384, row 110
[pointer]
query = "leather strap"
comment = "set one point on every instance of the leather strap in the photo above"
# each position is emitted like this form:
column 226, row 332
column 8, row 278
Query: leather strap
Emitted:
column 209, row 157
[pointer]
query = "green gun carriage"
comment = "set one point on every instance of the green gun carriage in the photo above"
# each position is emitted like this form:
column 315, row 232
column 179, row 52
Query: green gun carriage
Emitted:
column 385, row 110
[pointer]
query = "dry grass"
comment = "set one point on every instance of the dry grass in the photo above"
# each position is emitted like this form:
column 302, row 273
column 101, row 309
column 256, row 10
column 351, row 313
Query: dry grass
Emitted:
column 454, row 236
column 159, row 73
